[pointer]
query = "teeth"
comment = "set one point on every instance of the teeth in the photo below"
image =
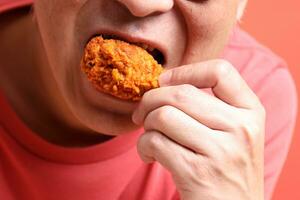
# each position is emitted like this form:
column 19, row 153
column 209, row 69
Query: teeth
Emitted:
column 145, row 46
column 150, row 48
column 142, row 45
column 109, row 37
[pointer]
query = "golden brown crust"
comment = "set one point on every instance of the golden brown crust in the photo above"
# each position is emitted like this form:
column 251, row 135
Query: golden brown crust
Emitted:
column 121, row 69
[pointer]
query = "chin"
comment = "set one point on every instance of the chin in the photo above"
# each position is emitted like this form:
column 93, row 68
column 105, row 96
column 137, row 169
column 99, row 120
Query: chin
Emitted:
column 112, row 125
column 104, row 101
column 99, row 112
column 104, row 121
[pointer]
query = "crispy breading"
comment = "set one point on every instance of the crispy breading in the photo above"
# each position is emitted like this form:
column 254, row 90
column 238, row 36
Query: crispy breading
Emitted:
column 121, row 69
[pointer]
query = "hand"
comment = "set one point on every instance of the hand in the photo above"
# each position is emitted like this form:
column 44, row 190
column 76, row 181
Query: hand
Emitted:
column 212, row 144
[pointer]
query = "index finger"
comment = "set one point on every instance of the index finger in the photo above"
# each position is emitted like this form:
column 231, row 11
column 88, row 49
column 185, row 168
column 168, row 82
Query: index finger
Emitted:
column 225, row 81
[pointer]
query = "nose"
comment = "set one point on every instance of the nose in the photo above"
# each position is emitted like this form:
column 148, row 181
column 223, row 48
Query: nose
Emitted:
column 142, row 8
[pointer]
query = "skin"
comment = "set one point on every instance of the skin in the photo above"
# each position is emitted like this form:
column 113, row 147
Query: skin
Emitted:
column 217, row 139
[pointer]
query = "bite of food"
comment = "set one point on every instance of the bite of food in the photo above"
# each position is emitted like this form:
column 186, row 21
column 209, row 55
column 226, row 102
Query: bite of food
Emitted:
column 121, row 69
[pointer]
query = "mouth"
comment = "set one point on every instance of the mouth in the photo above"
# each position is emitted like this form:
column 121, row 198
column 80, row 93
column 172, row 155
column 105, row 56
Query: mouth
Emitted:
column 156, row 52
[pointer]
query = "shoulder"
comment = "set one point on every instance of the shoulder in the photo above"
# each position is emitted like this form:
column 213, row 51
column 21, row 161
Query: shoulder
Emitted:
column 253, row 60
column 7, row 5
column 268, row 76
column 264, row 71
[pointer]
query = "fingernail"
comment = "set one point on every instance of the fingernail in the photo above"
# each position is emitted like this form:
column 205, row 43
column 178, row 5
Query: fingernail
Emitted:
column 164, row 78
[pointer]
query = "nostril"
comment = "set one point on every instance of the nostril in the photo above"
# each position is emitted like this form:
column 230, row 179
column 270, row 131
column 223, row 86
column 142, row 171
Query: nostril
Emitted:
column 141, row 12
column 144, row 8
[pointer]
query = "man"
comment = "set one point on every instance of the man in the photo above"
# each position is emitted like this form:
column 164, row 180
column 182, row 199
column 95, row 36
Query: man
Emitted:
column 61, row 139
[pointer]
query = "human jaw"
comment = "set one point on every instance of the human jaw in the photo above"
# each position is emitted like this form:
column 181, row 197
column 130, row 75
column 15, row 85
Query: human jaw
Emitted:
column 209, row 24
column 186, row 33
column 65, row 29
column 92, row 18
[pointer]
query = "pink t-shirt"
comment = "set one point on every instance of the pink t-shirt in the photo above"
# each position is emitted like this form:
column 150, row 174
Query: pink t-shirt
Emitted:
column 31, row 168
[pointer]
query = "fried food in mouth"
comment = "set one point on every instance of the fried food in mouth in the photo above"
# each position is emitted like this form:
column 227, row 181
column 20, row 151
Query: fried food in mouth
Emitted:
column 118, row 68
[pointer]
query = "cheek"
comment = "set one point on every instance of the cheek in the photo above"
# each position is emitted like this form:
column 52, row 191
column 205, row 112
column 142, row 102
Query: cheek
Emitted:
column 208, row 25
column 208, row 16
column 56, row 23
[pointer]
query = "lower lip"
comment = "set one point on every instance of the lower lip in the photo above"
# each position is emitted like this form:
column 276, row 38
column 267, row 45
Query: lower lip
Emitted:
column 105, row 100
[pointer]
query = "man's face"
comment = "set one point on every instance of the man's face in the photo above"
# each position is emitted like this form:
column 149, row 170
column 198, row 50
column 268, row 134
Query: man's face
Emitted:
column 185, row 31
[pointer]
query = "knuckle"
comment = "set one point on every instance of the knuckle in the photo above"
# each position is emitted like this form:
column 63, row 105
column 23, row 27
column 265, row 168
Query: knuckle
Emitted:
column 150, row 140
column 258, row 106
column 155, row 119
column 162, row 115
column 249, row 128
column 250, row 132
column 261, row 110
column 141, row 145
column 223, row 68
column 147, row 96
column 155, row 141
column 183, row 93
column 142, row 142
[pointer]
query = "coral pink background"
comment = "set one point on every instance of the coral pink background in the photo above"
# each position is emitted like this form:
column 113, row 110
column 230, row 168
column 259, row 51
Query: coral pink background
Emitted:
column 277, row 25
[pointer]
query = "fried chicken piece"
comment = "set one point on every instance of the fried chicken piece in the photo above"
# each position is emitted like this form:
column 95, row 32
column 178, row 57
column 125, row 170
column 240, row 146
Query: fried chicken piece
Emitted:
column 121, row 69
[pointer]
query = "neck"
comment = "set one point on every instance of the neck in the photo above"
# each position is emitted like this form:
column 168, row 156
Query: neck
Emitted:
column 29, row 86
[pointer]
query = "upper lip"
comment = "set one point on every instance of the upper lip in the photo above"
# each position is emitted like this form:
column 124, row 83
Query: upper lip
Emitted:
column 134, row 40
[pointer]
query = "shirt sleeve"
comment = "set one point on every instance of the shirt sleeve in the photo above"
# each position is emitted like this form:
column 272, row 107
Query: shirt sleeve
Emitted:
column 278, row 95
